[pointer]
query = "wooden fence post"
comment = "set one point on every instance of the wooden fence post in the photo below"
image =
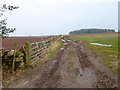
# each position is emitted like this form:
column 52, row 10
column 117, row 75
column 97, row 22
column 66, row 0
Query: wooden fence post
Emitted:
column 13, row 64
column 27, row 53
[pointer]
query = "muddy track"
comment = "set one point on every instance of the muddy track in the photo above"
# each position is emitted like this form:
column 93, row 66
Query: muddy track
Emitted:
column 103, row 80
column 51, row 78
column 72, row 68
column 55, row 77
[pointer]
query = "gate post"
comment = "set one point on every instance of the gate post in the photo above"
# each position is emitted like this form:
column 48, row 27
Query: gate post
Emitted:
column 27, row 53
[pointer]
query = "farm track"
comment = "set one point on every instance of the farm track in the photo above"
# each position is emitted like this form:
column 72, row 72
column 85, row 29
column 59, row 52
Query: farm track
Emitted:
column 82, row 71
column 103, row 80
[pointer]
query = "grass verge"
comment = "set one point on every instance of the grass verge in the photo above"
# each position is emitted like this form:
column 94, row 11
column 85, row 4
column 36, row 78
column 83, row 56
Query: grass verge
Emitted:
column 55, row 49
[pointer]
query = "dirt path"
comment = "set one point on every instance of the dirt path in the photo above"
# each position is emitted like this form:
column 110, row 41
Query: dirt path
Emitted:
column 73, row 67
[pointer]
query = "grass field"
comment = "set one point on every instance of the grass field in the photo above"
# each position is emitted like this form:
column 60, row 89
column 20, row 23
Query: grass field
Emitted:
column 109, row 55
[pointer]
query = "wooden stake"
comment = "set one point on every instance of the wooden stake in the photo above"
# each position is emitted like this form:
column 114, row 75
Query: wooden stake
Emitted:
column 27, row 52
column 13, row 64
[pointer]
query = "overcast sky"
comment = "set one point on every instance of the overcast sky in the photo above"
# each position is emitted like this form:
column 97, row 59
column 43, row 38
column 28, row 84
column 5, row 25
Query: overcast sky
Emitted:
column 48, row 17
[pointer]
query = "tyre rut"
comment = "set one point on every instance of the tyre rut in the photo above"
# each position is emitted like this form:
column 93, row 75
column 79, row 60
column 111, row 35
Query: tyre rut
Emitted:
column 103, row 81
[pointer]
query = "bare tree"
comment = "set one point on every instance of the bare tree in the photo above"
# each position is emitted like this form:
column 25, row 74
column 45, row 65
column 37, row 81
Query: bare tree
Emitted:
column 4, row 31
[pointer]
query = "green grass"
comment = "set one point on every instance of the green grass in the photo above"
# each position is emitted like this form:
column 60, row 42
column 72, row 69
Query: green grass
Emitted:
column 71, row 62
column 109, row 55
column 55, row 49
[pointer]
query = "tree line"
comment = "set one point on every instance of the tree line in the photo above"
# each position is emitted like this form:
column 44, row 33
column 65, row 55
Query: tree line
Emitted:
column 93, row 30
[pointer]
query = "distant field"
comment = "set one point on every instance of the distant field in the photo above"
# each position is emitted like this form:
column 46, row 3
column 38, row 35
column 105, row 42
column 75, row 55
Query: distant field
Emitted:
column 109, row 55
column 8, row 43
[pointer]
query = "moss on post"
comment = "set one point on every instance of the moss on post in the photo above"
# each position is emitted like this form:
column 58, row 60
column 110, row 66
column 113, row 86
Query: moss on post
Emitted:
column 27, row 53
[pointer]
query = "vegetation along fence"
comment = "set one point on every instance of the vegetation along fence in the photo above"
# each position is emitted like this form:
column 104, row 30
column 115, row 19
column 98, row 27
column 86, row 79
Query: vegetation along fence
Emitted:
column 38, row 49
column 31, row 52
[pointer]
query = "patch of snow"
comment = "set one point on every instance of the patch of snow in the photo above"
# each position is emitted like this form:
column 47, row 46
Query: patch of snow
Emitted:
column 63, row 40
column 68, row 40
column 98, row 44
column 62, row 49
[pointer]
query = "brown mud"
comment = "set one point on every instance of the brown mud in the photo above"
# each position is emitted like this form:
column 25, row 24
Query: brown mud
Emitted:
column 74, row 67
